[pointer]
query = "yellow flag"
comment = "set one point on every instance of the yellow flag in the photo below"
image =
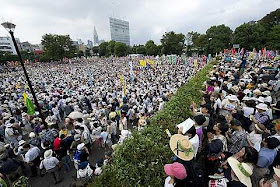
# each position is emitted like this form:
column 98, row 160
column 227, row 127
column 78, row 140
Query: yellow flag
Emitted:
column 142, row 63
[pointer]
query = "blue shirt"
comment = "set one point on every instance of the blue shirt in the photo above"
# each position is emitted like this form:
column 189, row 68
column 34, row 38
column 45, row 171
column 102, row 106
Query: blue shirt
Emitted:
column 266, row 157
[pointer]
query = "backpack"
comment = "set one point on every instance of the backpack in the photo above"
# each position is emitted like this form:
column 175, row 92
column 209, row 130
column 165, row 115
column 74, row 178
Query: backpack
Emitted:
column 77, row 155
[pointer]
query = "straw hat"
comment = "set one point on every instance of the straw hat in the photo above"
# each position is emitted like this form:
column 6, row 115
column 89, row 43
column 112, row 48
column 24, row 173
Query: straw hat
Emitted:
column 181, row 147
column 243, row 171
column 261, row 128
column 48, row 153
column 257, row 92
column 262, row 106
column 276, row 171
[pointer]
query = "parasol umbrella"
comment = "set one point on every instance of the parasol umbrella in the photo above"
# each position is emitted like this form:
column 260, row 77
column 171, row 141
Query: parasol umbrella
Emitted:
column 75, row 115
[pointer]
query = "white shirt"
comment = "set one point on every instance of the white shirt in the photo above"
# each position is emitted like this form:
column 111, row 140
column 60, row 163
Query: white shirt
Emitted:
column 32, row 154
column 248, row 111
column 87, row 172
column 49, row 163
column 166, row 183
column 256, row 140
column 195, row 143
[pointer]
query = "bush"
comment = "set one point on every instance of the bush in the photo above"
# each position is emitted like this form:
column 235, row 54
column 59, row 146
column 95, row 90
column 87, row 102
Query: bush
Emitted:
column 140, row 160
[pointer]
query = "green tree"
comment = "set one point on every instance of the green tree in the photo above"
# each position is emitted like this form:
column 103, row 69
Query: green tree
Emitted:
column 57, row 47
column 134, row 49
column 173, row 43
column 120, row 49
column 141, row 50
column 151, row 48
column 110, row 50
column 95, row 50
column 273, row 38
column 250, row 36
column 102, row 48
column 271, row 19
column 80, row 54
column 221, row 38
column 87, row 52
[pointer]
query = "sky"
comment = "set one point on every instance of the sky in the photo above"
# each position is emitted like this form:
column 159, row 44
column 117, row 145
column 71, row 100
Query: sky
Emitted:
column 148, row 19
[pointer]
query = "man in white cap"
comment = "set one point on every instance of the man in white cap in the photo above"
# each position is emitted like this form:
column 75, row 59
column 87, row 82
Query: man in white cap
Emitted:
column 261, row 115
column 51, row 165
column 11, row 134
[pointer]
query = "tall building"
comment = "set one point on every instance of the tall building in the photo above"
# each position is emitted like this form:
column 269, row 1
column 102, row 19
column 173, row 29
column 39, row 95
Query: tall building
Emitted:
column 95, row 38
column 119, row 30
column 6, row 45
column 89, row 44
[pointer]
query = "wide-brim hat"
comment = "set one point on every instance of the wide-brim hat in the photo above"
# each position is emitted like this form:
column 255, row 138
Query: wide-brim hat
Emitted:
column 257, row 92
column 261, row 128
column 242, row 171
column 262, row 106
column 176, row 169
column 48, row 153
column 21, row 142
column 266, row 93
column 276, row 171
column 233, row 98
column 181, row 147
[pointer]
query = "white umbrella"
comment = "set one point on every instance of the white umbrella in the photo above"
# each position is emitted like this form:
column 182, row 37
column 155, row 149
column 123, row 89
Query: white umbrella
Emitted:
column 75, row 115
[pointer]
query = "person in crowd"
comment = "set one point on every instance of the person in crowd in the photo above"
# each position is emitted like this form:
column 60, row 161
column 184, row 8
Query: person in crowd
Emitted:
column 51, row 165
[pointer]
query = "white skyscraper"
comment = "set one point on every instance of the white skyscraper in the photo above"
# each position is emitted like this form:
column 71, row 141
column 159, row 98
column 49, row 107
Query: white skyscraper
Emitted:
column 95, row 38
column 119, row 30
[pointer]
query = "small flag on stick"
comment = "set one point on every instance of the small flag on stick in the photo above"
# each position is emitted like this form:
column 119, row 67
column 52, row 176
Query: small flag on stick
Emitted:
column 29, row 104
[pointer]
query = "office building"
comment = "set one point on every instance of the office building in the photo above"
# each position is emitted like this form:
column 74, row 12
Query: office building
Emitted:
column 119, row 30
column 89, row 44
column 26, row 46
column 95, row 37
column 6, row 45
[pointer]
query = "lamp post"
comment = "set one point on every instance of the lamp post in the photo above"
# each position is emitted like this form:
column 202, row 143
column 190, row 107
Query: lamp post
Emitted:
column 209, row 39
column 10, row 27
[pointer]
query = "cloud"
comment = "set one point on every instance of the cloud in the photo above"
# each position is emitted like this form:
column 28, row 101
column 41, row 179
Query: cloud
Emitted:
column 148, row 19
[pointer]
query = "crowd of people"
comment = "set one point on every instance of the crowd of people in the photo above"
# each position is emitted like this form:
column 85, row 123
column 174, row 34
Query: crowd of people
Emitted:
column 85, row 104
column 233, row 138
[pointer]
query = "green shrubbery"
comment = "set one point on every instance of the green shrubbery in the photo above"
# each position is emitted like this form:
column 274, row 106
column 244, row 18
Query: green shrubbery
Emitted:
column 140, row 160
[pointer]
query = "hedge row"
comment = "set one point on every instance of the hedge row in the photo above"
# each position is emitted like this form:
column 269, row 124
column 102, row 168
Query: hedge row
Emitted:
column 140, row 160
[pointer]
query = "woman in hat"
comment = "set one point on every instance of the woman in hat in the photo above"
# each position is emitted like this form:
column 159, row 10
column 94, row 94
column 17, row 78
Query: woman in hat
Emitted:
column 176, row 173
column 240, row 173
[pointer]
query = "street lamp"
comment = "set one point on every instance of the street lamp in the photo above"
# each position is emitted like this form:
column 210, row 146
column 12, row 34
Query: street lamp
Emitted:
column 10, row 27
column 209, row 39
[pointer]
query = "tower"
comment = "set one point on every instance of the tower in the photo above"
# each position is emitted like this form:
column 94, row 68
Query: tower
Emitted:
column 95, row 38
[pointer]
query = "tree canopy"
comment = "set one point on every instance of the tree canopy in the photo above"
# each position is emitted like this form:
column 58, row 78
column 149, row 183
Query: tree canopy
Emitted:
column 172, row 43
column 57, row 47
